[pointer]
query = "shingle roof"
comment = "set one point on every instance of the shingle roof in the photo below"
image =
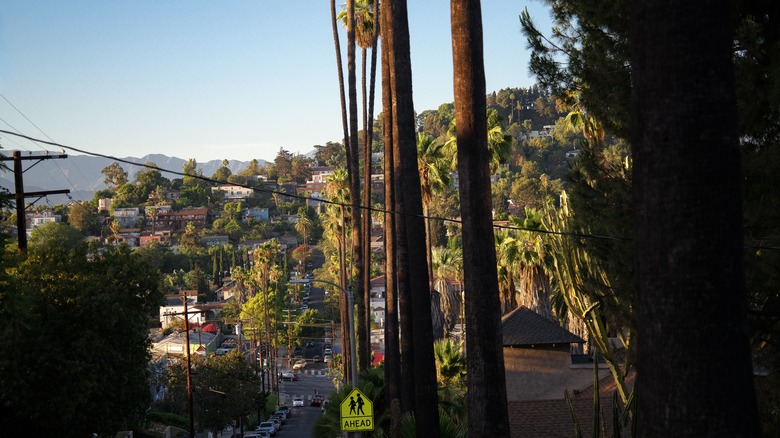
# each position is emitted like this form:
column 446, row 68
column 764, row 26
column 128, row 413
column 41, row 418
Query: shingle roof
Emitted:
column 523, row 326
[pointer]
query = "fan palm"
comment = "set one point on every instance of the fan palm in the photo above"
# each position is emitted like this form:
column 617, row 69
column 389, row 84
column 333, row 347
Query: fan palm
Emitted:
column 507, row 256
column 447, row 265
column 535, row 264
column 499, row 143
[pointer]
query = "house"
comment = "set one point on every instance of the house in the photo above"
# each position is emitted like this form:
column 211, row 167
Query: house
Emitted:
column 104, row 204
column 233, row 192
column 538, row 357
column 127, row 217
column 321, row 173
column 214, row 240
column 177, row 220
column 378, row 285
column 258, row 214
column 40, row 219
column 539, row 366
column 199, row 313
column 201, row 342
column 552, row 418
column 146, row 239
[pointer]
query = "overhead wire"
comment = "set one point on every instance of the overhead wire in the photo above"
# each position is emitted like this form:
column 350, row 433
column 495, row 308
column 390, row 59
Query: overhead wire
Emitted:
column 64, row 175
column 337, row 203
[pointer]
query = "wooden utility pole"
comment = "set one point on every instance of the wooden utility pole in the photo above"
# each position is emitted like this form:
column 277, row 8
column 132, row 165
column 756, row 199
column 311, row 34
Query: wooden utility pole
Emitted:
column 21, row 218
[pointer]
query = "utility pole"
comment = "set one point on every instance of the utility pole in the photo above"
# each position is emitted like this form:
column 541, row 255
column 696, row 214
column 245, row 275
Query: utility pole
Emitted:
column 21, row 218
column 189, row 366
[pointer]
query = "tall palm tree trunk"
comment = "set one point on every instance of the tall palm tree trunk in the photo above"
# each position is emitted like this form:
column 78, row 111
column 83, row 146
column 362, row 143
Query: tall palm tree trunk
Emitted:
column 367, row 191
column 687, row 199
column 345, row 128
column 425, row 391
column 353, row 169
column 487, row 405
column 392, row 345
column 365, row 312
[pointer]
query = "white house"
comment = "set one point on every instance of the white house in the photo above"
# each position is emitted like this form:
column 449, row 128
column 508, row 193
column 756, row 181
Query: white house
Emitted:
column 233, row 192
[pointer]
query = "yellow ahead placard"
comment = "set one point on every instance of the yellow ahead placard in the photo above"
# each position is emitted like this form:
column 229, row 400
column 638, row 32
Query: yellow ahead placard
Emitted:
column 357, row 412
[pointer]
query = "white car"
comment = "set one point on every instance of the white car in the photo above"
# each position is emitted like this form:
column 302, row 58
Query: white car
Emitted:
column 298, row 401
column 327, row 358
column 267, row 427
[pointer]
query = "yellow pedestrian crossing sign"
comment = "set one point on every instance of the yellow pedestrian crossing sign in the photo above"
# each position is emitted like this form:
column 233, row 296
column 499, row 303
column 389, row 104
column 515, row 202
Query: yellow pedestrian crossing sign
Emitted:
column 357, row 412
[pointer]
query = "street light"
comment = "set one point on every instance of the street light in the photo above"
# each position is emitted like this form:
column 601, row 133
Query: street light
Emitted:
column 350, row 322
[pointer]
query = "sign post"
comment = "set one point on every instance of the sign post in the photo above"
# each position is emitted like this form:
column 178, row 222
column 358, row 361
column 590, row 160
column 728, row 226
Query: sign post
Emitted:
column 357, row 412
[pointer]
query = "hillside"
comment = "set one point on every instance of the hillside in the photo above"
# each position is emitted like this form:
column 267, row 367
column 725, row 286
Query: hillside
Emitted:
column 81, row 173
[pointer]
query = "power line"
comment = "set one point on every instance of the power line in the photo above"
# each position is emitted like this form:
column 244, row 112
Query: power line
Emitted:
column 64, row 175
column 341, row 204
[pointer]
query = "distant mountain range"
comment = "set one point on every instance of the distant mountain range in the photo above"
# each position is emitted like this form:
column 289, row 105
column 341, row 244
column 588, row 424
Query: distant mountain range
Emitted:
column 81, row 173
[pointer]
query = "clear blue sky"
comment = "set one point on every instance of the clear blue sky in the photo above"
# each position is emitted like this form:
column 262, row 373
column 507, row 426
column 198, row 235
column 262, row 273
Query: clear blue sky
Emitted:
column 212, row 79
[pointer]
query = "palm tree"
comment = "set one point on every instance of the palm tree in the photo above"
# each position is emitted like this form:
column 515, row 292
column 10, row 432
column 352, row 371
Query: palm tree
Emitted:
column 486, row 379
column 393, row 382
column 303, row 226
column 447, row 265
column 535, row 265
column 450, row 363
column 507, row 255
column 414, row 284
column 434, row 178
column 690, row 282
column 499, row 143
column 337, row 191
column 352, row 152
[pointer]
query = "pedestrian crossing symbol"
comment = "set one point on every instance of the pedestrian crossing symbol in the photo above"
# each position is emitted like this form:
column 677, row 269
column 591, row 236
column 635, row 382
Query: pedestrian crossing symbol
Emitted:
column 357, row 412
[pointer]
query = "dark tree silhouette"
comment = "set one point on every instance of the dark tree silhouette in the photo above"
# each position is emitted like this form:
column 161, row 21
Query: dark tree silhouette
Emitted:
column 693, row 364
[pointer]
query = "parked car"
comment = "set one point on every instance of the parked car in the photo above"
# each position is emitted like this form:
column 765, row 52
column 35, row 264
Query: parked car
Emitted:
column 298, row 401
column 328, row 351
column 327, row 358
column 277, row 423
column 267, row 427
column 283, row 412
column 279, row 416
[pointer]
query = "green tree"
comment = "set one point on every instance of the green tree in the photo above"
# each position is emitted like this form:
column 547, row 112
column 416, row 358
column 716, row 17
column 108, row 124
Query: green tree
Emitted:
column 283, row 165
column 223, row 173
column 190, row 240
column 330, row 154
column 224, row 389
column 82, row 217
column 147, row 181
column 192, row 174
column 300, row 170
column 450, row 363
column 86, row 333
column 114, row 176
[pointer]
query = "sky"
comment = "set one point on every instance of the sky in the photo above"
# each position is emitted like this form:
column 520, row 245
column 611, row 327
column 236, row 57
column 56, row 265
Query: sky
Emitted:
column 212, row 80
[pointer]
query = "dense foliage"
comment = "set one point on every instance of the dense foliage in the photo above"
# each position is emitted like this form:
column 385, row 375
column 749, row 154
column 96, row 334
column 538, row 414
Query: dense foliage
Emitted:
column 75, row 335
